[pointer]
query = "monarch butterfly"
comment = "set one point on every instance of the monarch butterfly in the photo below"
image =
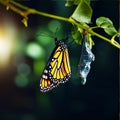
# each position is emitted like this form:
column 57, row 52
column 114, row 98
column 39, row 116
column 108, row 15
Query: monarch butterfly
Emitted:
column 85, row 60
column 57, row 69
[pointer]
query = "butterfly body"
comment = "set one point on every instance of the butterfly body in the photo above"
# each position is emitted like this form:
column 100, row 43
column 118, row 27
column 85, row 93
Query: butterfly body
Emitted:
column 57, row 69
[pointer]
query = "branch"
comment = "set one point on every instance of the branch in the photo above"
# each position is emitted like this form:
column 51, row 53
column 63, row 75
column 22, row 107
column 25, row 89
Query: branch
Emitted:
column 26, row 11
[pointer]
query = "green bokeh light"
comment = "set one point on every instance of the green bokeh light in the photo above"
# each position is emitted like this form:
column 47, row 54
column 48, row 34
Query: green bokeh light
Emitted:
column 21, row 80
column 34, row 50
column 23, row 68
column 54, row 26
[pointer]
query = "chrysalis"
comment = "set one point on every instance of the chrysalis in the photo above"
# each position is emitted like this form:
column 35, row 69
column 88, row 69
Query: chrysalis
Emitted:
column 85, row 60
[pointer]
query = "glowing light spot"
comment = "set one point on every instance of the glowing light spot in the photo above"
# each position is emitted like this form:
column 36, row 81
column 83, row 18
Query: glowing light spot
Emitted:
column 7, row 40
column 5, row 48
column 35, row 51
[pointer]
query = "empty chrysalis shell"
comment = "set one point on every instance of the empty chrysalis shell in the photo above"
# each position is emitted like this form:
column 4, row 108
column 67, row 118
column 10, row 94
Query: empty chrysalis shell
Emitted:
column 85, row 60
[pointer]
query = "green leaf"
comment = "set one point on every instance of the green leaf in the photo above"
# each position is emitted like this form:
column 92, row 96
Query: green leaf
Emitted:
column 85, row 25
column 103, row 20
column 118, row 34
column 90, row 41
column 107, row 25
column 7, row 7
column 77, row 35
column 83, row 12
column 25, row 22
column 72, row 2
column 110, row 30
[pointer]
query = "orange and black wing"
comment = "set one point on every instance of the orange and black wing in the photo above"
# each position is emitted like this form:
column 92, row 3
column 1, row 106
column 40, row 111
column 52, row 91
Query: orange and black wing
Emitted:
column 46, row 84
column 57, row 69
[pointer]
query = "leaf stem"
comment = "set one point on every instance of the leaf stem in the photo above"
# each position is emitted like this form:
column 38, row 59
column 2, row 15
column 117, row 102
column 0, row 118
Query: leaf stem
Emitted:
column 25, row 11
column 115, row 44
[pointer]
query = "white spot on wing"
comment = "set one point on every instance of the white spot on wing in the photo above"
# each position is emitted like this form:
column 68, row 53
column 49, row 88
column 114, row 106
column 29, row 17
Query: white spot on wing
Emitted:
column 45, row 71
column 44, row 76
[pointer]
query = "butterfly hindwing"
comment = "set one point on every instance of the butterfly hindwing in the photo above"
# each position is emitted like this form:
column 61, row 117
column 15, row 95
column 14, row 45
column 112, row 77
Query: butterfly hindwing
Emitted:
column 45, row 83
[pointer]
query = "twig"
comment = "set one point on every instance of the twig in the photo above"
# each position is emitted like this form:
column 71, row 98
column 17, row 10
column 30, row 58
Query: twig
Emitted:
column 25, row 11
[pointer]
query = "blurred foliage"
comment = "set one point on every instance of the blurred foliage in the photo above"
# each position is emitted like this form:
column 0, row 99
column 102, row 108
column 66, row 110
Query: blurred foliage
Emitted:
column 24, row 69
column 21, row 80
column 38, row 66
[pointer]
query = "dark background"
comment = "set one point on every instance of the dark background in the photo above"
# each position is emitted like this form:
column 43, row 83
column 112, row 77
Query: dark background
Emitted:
column 97, row 100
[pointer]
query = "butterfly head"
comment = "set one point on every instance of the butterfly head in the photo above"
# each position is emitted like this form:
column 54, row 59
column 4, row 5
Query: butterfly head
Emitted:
column 58, row 42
